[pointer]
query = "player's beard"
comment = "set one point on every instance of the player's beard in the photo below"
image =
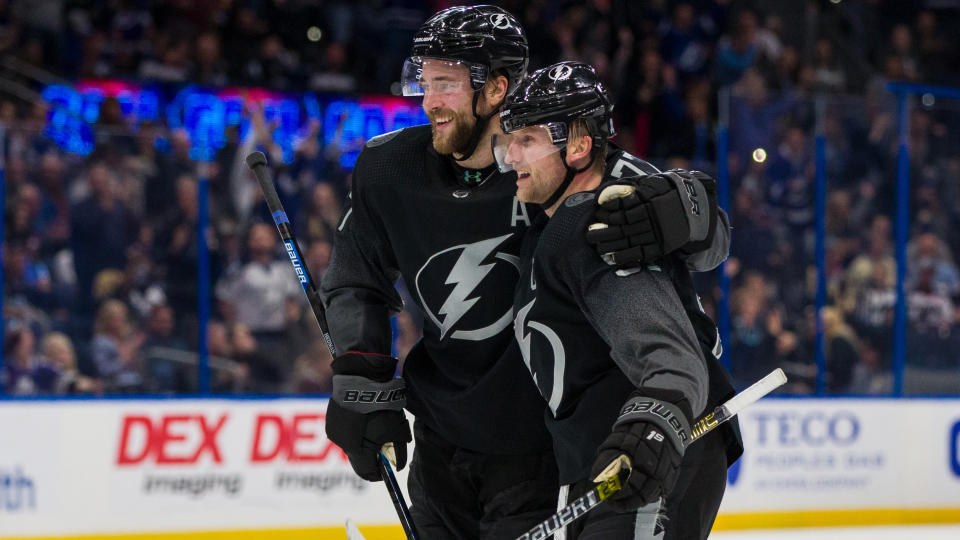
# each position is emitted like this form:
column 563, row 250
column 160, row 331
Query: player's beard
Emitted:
column 457, row 136
column 545, row 177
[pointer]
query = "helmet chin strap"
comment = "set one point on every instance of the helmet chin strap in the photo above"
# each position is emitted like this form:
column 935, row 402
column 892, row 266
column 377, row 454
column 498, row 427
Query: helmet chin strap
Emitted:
column 479, row 127
column 571, row 172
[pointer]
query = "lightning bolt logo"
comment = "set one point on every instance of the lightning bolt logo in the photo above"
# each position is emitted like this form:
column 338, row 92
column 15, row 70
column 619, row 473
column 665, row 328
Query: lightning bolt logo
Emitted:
column 520, row 325
column 466, row 275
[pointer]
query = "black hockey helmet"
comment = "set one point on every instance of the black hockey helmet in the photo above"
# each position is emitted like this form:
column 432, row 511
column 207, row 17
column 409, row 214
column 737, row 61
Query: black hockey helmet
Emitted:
column 486, row 38
column 557, row 95
column 553, row 98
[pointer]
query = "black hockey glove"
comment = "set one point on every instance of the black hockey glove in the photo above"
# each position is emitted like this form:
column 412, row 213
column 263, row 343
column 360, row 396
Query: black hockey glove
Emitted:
column 643, row 218
column 650, row 432
column 366, row 411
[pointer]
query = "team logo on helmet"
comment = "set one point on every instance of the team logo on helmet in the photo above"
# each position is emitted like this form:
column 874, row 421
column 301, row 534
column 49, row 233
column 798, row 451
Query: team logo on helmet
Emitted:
column 560, row 72
column 500, row 21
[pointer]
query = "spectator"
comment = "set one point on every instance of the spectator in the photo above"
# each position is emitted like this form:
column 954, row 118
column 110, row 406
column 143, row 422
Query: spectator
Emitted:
column 791, row 192
column 901, row 47
column 929, row 253
column 312, row 373
column 684, row 42
column 752, row 343
column 177, row 247
column 738, row 51
column 323, row 214
column 228, row 376
column 267, row 373
column 102, row 228
column 115, row 348
column 871, row 375
column 841, row 351
column 162, row 373
column 862, row 268
column 59, row 354
column 828, row 75
column 20, row 361
column 26, row 279
column 210, row 68
column 873, row 311
column 256, row 293
column 318, row 258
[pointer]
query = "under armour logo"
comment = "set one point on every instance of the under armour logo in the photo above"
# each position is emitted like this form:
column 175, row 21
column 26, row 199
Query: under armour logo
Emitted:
column 471, row 177
column 500, row 21
column 560, row 72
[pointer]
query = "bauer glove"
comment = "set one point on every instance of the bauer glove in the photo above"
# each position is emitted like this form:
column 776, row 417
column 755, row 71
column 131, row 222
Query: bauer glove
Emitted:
column 365, row 413
column 649, row 438
column 643, row 218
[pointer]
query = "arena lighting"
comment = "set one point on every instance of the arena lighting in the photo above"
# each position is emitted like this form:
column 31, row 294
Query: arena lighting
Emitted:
column 206, row 114
column 759, row 155
column 314, row 33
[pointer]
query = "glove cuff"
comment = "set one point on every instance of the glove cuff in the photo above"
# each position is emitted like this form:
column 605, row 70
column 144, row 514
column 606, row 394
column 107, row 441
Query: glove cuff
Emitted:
column 670, row 417
column 364, row 396
column 378, row 367
column 692, row 196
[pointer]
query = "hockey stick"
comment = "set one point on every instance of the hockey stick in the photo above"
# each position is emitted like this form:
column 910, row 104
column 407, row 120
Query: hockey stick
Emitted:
column 353, row 532
column 258, row 164
column 602, row 491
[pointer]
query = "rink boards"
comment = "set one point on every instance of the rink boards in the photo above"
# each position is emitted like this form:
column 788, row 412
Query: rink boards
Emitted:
column 252, row 468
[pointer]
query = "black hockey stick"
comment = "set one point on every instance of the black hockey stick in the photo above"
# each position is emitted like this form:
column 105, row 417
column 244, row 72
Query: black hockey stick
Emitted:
column 602, row 491
column 258, row 164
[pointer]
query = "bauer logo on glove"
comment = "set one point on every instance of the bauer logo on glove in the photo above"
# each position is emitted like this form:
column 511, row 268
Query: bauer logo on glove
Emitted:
column 369, row 396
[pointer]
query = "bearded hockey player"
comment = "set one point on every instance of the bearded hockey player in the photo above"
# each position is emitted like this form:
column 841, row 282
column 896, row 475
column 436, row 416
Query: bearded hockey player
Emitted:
column 626, row 359
column 429, row 204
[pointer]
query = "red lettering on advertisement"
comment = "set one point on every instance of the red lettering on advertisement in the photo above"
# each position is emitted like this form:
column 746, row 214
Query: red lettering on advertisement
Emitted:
column 166, row 441
column 298, row 439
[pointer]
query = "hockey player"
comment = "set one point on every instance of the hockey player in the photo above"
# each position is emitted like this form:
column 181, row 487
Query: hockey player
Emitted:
column 625, row 358
column 428, row 204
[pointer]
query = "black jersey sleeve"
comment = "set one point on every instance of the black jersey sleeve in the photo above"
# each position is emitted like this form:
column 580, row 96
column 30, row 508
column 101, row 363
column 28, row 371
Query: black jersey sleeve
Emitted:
column 358, row 287
column 637, row 312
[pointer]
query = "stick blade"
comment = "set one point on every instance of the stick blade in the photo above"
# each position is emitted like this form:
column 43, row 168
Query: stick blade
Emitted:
column 353, row 532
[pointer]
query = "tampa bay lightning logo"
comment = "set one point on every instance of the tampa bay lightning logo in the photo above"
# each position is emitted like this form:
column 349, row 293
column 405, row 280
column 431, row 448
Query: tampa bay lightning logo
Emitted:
column 553, row 392
column 499, row 21
column 468, row 267
column 560, row 72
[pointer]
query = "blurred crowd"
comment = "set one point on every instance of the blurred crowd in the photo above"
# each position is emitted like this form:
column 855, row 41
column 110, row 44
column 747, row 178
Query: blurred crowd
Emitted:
column 101, row 251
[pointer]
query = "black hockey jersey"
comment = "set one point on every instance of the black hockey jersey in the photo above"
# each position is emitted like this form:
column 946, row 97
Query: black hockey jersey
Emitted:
column 457, row 249
column 592, row 334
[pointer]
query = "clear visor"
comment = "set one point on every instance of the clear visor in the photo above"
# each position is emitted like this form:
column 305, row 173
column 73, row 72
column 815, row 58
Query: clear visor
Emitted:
column 516, row 150
column 422, row 76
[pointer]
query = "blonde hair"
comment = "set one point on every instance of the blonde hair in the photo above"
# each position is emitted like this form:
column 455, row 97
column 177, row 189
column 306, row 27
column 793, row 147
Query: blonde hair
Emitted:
column 108, row 307
column 835, row 326
column 54, row 340
column 578, row 128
